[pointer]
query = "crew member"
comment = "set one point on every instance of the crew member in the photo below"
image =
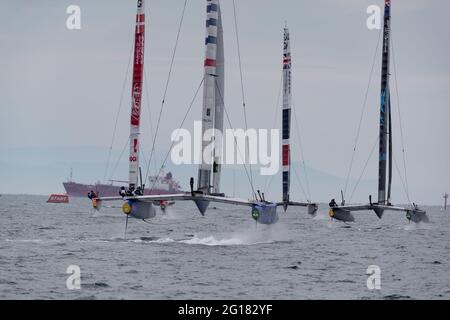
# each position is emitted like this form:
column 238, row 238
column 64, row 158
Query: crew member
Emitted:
column 92, row 195
column 138, row 191
column 332, row 203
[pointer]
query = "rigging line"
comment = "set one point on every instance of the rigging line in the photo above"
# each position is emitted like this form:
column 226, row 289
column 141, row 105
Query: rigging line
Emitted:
column 364, row 168
column 302, row 154
column 149, row 115
column 267, row 186
column 117, row 115
column 179, row 127
column 362, row 114
column 275, row 119
column 235, row 140
column 142, row 153
column 120, row 157
column 402, row 181
column 400, row 117
column 241, row 77
column 166, row 86
column 300, row 183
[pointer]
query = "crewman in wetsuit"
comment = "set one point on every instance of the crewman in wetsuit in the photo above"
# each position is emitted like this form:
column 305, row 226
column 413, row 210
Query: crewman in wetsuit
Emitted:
column 92, row 195
column 122, row 192
column 130, row 192
column 332, row 203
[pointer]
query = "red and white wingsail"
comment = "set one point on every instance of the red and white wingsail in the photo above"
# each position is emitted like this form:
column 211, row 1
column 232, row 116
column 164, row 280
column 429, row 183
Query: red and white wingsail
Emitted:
column 136, row 95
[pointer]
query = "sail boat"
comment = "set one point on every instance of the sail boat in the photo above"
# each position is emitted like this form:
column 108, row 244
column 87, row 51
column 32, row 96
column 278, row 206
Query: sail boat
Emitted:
column 213, row 103
column 344, row 212
column 161, row 184
column 141, row 206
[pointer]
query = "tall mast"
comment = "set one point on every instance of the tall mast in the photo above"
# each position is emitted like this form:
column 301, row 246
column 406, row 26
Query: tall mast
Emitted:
column 286, row 117
column 384, row 107
column 213, row 96
column 136, row 95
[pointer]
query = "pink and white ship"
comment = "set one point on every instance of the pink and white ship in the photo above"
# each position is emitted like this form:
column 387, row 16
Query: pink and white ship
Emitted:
column 165, row 184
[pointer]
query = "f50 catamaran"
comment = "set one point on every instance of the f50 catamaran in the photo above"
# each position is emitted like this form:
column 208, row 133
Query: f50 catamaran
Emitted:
column 141, row 206
column 344, row 212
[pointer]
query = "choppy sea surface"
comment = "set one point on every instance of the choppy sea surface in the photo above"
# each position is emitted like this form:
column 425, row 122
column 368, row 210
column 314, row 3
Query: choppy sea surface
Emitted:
column 224, row 255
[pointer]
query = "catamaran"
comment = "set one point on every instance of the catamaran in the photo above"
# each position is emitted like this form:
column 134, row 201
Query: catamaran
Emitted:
column 414, row 213
column 141, row 206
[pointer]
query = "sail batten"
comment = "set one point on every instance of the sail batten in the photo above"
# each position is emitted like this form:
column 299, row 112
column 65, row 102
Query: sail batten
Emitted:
column 286, row 117
column 136, row 95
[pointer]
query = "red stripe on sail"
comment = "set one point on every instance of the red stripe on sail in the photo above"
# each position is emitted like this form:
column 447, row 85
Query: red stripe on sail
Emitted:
column 210, row 63
column 285, row 155
column 138, row 62
column 140, row 17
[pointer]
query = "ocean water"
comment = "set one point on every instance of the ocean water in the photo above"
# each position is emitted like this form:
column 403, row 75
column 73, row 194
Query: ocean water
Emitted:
column 224, row 255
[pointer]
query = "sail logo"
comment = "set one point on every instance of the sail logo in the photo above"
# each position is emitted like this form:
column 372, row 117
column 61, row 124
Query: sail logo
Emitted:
column 136, row 110
column 235, row 146
column 139, row 54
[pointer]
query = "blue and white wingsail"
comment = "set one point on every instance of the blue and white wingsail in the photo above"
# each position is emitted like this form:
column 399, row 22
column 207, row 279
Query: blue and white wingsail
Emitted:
column 213, row 100
column 213, row 104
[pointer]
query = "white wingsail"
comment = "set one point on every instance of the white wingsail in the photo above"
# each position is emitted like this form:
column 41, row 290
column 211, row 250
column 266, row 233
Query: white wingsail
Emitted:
column 213, row 100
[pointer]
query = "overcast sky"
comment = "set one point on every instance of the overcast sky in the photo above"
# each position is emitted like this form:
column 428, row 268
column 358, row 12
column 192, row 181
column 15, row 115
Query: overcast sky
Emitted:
column 61, row 88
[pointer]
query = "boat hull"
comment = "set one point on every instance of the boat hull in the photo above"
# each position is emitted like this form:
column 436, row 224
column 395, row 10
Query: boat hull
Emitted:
column 265, row 213
column 341, row 215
